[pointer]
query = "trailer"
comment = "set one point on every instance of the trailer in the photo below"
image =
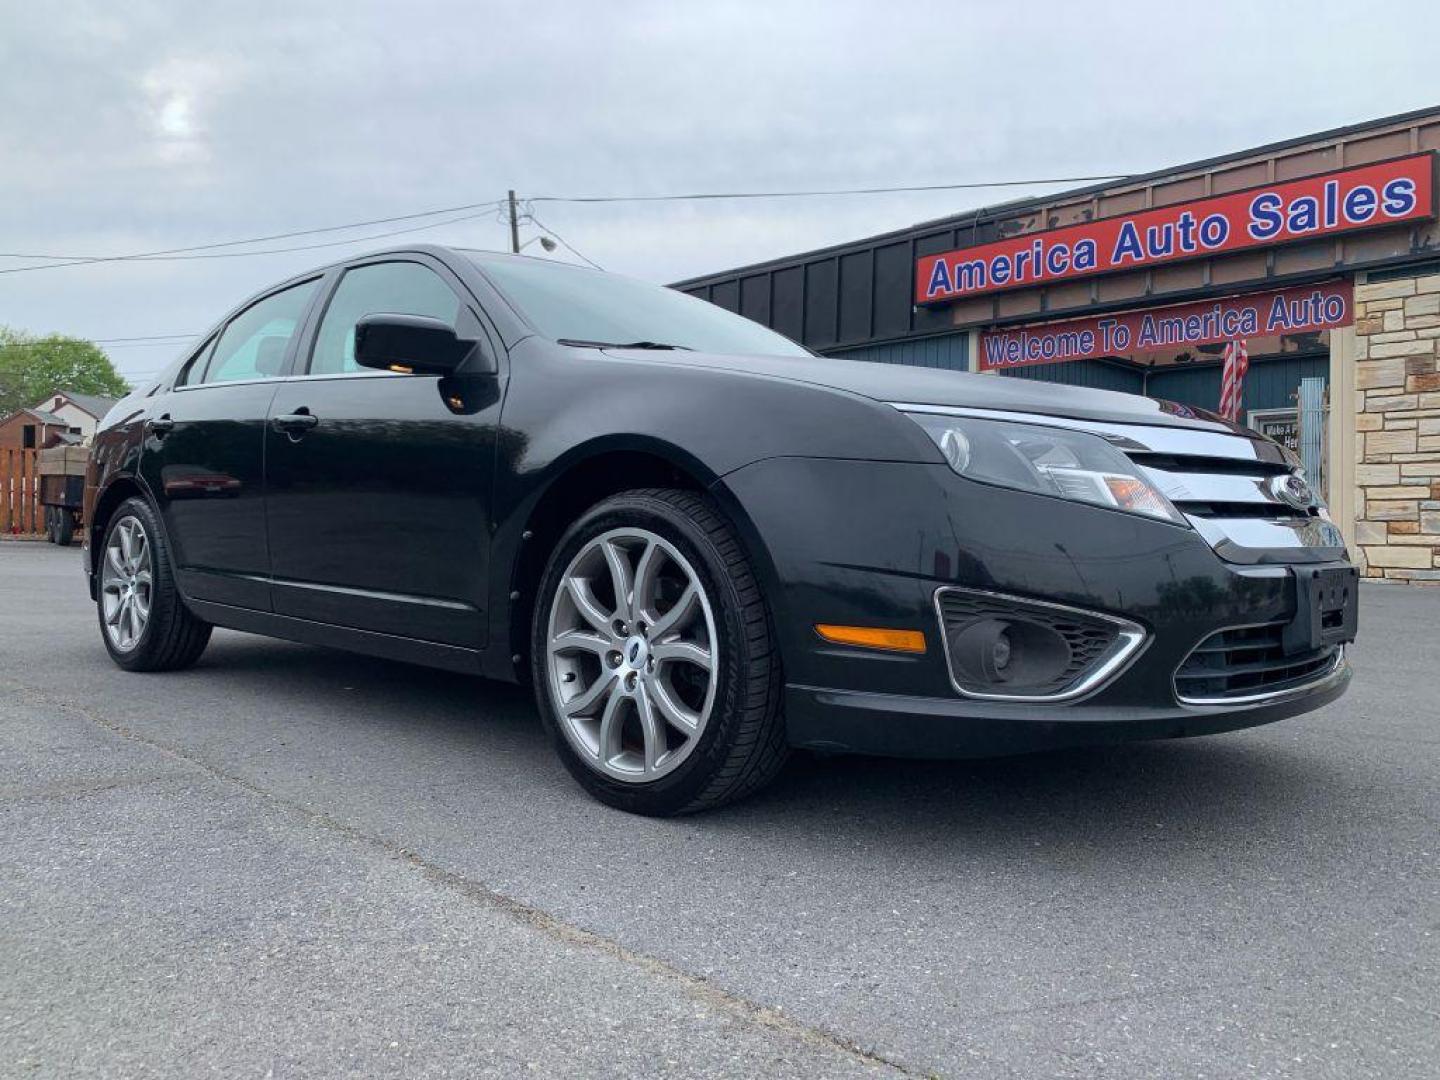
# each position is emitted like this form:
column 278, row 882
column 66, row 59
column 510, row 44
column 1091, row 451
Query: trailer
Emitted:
column 62, row 491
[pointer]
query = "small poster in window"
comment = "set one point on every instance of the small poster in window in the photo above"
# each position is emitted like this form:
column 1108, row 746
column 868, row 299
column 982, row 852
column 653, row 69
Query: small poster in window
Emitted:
column 1282, row 425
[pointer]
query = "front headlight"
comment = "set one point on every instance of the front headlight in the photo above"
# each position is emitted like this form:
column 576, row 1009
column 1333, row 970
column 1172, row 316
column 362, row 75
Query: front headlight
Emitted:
column 1046, row 460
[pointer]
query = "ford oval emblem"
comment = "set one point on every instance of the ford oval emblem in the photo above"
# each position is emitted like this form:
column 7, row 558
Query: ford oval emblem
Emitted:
column 1292, row 490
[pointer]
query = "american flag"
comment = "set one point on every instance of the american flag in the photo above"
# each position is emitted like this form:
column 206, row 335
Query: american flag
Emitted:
column 1232, row 380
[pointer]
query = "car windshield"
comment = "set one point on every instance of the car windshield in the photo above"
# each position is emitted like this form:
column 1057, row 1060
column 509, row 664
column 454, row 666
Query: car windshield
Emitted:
column 574, row 305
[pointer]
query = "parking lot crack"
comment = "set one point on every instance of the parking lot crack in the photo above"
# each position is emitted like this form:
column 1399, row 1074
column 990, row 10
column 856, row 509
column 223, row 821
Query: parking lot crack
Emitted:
column 66, row 791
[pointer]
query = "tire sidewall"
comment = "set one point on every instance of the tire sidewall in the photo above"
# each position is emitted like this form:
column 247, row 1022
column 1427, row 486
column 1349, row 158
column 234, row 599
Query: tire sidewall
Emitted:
column 163, row 594
column 676, row 789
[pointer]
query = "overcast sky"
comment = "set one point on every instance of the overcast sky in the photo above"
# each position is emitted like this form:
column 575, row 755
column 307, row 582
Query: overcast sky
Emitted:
column 135, row 126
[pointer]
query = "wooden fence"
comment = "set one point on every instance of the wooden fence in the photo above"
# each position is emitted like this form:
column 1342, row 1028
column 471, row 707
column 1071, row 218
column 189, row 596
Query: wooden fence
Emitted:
column 20, row 512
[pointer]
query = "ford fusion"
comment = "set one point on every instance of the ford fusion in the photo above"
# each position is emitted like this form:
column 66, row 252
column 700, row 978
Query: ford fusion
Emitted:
column 700, row 543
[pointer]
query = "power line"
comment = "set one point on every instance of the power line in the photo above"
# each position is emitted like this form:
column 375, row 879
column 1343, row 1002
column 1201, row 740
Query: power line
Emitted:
column 302, row 247
column 810, row 194
column 107, row 344
column 181, row 253
column 570, row 247
column 142, row 337
column 185, row 253
column 208, row 251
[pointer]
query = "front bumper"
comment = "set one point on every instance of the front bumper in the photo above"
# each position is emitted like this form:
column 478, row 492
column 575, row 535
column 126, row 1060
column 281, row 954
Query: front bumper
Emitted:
column 856, row 722
column 868, row 543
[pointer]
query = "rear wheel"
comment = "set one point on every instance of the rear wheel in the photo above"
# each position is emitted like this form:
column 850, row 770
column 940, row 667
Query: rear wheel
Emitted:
column 64, row 527
column 143, row 621
column 655, row 665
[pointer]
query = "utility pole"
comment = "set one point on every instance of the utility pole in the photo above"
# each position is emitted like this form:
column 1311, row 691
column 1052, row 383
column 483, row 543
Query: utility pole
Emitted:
column 514, row 223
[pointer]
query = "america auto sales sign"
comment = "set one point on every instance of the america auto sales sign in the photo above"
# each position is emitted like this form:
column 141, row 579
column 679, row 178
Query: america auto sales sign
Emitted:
column 1365, row 197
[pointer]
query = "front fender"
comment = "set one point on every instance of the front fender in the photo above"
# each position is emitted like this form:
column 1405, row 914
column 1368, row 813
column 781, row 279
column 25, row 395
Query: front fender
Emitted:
column 113, row 469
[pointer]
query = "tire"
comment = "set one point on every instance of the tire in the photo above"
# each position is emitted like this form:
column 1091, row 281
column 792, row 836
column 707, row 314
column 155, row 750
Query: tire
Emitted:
column 64, row 528
column 168, row 637
column 740, row 743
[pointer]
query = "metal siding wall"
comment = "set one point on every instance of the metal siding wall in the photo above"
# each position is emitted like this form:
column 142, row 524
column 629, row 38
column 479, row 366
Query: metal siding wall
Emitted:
column 1269, row 384
column 787, row 306
column 755, row 298
column 894, row 271
column 942, row 352
column 822, row 302
column 726, row 294
column 857, row 296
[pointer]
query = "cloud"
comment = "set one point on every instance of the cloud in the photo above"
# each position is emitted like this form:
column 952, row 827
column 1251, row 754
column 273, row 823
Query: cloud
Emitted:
column 179, row 93
column 158, row 123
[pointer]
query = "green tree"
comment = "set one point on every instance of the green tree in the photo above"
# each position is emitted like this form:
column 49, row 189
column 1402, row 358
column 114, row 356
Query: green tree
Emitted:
column 32, row 368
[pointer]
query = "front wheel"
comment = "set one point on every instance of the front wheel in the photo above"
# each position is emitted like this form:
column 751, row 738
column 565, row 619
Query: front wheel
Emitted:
column 143, row 620
column 655, row 665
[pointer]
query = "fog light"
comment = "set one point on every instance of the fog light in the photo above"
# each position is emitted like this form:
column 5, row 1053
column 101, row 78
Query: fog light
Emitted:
column 1000, row 653
column 1010, row 647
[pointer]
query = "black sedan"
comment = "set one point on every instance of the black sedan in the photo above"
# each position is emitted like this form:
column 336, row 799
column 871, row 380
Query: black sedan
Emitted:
column 702, row 544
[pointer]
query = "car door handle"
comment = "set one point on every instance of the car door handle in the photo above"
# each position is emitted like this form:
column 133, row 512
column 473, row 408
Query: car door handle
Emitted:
column 295, row 423
column 160, row 426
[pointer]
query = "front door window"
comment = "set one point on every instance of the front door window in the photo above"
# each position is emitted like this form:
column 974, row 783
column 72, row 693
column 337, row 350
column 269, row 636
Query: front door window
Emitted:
column 391, row 288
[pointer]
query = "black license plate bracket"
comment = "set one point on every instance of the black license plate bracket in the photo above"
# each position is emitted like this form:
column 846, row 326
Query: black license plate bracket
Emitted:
column 1327, row 608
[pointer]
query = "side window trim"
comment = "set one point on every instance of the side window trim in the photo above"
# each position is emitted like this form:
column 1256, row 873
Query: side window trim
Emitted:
column 297, row 362
column 198, row 360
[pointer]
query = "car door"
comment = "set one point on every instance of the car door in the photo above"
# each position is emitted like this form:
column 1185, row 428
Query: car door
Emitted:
column 379, row 484
column 203, row 453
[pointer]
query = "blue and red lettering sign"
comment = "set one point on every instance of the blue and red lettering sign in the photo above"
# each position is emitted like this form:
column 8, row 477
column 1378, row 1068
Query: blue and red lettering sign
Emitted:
column 1301, row 309
column 1365, row 197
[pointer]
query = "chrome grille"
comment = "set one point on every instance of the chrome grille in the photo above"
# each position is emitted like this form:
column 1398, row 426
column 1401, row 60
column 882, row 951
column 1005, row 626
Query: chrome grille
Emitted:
column 1232, row 503
column 1226, row 486
column 1245, row 661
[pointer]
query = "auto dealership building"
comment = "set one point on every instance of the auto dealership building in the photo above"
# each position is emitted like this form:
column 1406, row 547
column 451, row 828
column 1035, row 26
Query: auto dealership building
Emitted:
column 1321, row 254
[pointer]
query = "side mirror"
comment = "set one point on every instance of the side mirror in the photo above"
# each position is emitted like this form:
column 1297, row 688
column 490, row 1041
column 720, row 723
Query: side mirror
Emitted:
column 410, row 344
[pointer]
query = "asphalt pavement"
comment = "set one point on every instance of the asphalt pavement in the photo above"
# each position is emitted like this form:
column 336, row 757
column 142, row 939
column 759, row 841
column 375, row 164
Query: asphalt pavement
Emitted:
column 291, row 862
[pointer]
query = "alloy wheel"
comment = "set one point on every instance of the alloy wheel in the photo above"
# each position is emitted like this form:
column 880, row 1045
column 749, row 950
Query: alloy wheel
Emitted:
column 126, row 580
column 631, row 655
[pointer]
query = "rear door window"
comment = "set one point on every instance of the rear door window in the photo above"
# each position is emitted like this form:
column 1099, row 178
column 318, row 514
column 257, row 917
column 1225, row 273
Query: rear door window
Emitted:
column 194, row 369
column 254, row 343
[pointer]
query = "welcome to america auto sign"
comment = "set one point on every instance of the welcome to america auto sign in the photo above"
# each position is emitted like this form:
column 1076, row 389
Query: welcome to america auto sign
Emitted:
column 1365, row 197
column 1298, row 310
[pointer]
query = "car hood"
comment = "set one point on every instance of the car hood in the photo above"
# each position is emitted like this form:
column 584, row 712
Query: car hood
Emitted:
column 905, row 384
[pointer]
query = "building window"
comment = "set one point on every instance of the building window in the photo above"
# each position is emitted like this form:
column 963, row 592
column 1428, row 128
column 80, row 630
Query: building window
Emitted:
column 27, row 437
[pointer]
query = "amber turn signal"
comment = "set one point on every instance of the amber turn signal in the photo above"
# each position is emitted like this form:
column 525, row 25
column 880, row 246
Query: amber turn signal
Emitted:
column 873, row 637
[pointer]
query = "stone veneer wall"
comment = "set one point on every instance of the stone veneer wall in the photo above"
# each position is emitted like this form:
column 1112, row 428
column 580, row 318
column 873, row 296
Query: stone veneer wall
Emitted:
column 1397, row 444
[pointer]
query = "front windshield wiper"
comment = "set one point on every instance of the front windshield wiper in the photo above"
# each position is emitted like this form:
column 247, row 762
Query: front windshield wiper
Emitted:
column 578, row 343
